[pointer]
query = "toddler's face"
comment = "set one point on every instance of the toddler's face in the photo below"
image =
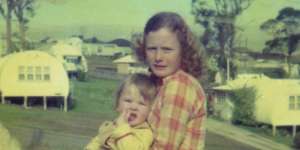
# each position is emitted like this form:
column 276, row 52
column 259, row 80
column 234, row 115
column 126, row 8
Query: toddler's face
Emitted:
column 133, row 102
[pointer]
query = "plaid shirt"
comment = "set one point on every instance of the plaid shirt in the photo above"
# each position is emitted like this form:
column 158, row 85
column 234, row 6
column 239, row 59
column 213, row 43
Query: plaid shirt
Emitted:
column 178, row 114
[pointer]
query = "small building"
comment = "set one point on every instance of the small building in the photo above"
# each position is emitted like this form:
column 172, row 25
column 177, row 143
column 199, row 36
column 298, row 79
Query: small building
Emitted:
column 106, row 50
column 277, row 100
column 33, row 75
column 128, row 64
column 113, row 51
column 89, row 49
column 71, row 58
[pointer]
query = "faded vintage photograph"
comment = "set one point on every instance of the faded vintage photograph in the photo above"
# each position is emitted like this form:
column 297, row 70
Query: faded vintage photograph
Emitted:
column 149, row 74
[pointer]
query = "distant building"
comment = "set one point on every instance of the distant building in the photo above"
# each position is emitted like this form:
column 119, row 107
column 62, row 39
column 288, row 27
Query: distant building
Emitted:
column 277, row 102
column 33, row 75
column 107, row 50
column 89, row 49
column 71, row 57
column 128, row 64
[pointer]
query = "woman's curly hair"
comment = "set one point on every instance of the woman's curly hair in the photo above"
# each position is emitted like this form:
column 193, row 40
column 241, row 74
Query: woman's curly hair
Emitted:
column 191, row 56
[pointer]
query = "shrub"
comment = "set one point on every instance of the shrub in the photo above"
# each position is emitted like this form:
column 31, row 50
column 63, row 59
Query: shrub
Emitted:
column 82, row 76
column 244, row 102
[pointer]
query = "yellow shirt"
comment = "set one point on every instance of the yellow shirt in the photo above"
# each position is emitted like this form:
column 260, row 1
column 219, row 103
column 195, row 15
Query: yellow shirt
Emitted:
column 7, row 142
column 122, row 137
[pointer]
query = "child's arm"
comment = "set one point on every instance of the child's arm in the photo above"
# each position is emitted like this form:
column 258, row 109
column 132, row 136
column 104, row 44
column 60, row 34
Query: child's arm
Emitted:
column 127, row 138
column 103, row 133
column 94, row 144
column 7, row 142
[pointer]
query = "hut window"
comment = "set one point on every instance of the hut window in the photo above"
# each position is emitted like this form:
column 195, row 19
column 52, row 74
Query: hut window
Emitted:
column 38, row 73
column 21, row 73
column 47, row 73
column 30, row 73
column 73, row 59
column 291, row 102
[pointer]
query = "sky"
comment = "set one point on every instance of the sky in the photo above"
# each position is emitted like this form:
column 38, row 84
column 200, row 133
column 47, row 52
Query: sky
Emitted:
column 110, row 19
column 105, row 19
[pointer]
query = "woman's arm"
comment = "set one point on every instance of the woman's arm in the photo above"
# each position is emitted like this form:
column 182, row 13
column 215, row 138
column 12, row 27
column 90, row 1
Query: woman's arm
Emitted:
column 195, row 132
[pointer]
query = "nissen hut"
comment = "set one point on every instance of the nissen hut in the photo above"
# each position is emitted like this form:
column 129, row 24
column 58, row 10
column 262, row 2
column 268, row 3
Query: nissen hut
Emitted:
column 33, row 75
column 277, row 100
column 71, row 57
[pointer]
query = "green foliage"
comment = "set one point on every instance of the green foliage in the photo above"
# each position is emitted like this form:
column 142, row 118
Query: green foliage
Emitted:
column 212, row 66
column 283, row 28
column 277, row 73
column 244, row 105
column 297, row 140
column 218, row 21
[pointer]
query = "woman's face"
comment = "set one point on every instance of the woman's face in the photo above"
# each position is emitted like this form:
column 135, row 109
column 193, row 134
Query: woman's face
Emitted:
column 163, row 52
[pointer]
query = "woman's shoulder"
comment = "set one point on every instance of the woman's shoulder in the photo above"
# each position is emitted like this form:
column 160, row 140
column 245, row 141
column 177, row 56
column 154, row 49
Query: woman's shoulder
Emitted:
column 183, row 78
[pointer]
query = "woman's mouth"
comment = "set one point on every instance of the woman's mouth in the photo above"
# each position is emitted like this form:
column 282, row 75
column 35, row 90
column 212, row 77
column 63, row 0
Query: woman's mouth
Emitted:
column 159, row 67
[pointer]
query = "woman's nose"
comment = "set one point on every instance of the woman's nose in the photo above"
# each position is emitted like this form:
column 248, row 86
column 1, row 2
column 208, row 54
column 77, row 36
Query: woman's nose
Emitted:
column 158, row 55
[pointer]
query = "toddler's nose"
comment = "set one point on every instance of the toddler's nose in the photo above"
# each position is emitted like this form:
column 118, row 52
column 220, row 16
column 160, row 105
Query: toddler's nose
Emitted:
column 133, row 107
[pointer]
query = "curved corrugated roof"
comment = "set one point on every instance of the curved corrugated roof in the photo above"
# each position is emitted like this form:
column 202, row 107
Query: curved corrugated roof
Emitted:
column 38, row 62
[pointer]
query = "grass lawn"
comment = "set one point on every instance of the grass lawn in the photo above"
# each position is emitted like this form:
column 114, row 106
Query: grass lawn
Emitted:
column 54, row 129
column 57, row 130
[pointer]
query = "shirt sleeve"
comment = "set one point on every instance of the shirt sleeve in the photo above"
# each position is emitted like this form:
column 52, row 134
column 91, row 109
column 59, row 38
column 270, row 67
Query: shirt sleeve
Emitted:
column 94, row 144
column 195, row 132
column 104, row 132
column 7, row 141
column 181, row 118
column 127, row 139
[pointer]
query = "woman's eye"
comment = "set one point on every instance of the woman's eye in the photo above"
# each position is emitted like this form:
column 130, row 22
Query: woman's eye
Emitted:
column 166, row 49
column 150, row 48
column 127, row 100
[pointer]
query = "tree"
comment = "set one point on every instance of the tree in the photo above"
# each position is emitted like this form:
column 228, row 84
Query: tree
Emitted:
column 23, row 9
column 6, row 9
column 285, row 31
column 218, row 19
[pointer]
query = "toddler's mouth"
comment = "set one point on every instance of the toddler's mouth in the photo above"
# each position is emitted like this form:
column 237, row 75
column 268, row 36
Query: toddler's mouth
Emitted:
column 132, row 117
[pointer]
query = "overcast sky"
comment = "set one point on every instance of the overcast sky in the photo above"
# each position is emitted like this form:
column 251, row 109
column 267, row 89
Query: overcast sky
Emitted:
column 108, row 19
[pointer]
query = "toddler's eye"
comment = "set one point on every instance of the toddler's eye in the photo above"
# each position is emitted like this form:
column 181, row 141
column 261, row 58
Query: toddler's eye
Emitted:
column 142, row 103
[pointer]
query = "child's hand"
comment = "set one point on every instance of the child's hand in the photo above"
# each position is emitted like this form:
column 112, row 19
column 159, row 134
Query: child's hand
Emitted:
column 123, row 118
